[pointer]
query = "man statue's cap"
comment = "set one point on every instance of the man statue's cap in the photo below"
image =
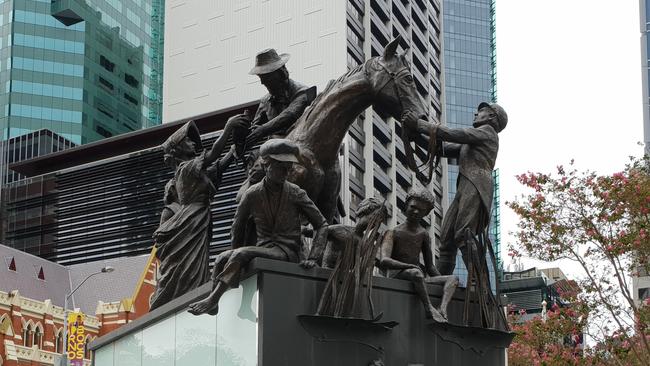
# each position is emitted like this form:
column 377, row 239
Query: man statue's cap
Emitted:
column 502, row 116
column 280, row 150
column 268, row 61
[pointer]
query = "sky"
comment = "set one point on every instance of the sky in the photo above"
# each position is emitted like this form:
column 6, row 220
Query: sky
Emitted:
column 569, row 77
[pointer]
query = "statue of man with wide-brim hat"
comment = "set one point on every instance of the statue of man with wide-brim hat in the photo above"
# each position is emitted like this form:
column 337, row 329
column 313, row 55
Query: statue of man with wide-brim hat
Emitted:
column 276, row 206
column 286, row 99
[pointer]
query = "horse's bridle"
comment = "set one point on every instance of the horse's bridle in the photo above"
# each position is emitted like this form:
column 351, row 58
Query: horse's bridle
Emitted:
column 431, row 161
column 392, row 77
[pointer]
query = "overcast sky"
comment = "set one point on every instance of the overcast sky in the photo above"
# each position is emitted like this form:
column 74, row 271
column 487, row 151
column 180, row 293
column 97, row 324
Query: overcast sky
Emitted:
column 569, row 77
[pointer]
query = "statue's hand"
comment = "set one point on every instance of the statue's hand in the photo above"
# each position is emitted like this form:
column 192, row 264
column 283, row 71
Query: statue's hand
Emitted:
column 308, row 263
column 256, row 134
column 410, row 121
column 238, row 122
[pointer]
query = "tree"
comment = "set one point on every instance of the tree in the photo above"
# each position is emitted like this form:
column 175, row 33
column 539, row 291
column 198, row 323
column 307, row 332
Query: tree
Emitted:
column 553, row 340
column 602, row 224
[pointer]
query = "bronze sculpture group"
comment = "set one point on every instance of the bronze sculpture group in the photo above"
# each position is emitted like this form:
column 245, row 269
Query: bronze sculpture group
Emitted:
column 295, row 179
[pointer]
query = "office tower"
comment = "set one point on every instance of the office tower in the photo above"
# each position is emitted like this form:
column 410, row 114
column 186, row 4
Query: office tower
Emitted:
column 74, row 72
column 470, row 78
column 641, row 279
column 84, row 70
column 211, row 46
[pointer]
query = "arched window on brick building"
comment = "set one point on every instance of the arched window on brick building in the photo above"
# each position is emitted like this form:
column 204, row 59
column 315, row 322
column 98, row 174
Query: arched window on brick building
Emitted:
column 58, row 341
column 38, row 336
column 28, row 334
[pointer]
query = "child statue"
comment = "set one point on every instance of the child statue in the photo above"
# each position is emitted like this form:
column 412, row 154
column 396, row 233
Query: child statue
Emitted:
column 400, row 254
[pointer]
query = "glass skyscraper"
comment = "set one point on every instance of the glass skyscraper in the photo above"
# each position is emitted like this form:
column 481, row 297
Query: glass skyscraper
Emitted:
column 470, row 78
column 85, row 70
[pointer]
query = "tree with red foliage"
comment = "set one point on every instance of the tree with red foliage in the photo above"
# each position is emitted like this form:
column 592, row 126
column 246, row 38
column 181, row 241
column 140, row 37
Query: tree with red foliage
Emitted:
column 555, row 339
column 602, row 224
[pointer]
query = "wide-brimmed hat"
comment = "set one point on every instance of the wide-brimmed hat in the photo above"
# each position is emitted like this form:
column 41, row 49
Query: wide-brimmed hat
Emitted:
column 280, row 150
column 268, row 61
column 187, row 130
column 502, row 116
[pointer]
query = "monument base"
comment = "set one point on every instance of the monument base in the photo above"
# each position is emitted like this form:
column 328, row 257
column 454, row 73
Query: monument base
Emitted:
column 267, row 322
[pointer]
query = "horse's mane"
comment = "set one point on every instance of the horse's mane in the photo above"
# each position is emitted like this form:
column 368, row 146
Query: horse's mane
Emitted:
column 330, row 85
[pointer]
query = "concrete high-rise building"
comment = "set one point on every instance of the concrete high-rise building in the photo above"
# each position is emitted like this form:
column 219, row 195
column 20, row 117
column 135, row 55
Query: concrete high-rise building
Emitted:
column 644, row 7
column 470, row 78
column 211, row 46
column 84, row 70
column 641, row 279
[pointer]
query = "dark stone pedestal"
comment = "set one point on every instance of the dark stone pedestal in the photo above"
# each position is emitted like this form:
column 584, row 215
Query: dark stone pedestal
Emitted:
column 269, row 322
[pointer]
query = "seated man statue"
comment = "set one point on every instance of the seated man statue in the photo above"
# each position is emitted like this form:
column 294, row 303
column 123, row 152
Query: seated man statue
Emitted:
column 400, row 254
column 276, row 206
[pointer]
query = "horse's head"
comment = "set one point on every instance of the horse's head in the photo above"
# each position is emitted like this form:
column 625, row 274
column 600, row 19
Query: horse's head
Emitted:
column 392, row 83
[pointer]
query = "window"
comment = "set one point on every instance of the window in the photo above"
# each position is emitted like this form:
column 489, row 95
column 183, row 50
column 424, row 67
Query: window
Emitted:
column 58, row 341
column 38, row 337
column 129, row 79
column 131, row 99
column 12, row 264
column 27, row 335
column 355, row 200
column 102, row 131
column 106, row 84
column 356, row 146
column 105, row 110
column 106, row 63
column 644, row 293
column 356, row 172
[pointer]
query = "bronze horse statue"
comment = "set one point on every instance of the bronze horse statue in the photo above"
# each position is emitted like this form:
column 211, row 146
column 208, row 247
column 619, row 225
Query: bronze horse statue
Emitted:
column 384, row 82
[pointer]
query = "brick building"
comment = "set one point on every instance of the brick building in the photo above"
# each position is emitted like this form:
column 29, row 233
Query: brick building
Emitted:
column 32, row 293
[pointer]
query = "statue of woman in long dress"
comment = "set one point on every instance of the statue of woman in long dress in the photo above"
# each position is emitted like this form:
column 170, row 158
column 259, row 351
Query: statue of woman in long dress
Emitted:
column 183, row 237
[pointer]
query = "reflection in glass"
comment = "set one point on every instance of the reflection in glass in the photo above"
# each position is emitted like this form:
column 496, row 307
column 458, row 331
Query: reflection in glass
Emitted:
column 104, row 356
column 158, row 343
column 237, row 326
column 128, row 350
column 195, row 339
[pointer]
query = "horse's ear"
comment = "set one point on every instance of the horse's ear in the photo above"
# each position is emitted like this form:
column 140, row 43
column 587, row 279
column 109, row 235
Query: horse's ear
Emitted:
column 391, row 48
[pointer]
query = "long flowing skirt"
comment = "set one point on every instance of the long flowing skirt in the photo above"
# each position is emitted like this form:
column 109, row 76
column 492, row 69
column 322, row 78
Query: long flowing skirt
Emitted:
column 183, row 243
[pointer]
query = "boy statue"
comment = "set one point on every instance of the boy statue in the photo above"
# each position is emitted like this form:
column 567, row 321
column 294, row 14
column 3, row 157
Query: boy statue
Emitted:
column 327, row 247
column 351, row 254
column 400, row 254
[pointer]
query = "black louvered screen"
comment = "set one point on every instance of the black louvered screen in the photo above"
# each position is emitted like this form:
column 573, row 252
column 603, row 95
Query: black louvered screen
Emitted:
column 111, row 208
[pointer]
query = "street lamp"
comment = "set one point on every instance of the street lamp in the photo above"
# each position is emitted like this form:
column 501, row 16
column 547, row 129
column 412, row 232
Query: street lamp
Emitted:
column 64, row 358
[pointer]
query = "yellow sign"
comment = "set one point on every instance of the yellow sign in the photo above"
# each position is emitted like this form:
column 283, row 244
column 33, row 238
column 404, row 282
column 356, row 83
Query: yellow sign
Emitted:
column 76, row 338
